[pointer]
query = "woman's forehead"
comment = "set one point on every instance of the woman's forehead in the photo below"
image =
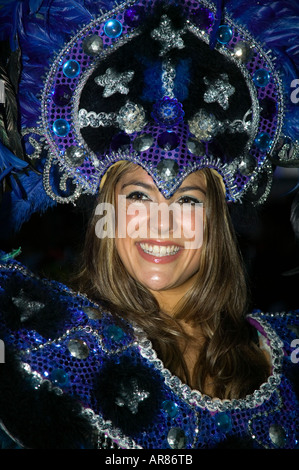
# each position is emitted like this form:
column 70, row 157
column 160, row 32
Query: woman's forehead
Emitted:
column 139, row 174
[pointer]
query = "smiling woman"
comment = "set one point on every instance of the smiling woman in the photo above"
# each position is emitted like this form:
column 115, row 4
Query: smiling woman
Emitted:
column 191, row 301
column 166, row 117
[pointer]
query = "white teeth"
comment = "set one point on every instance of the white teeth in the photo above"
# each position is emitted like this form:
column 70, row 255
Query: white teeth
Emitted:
column 159, row 250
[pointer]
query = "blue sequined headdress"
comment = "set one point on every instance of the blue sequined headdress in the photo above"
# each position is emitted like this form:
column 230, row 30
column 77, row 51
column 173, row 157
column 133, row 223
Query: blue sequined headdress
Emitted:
column 172, row 86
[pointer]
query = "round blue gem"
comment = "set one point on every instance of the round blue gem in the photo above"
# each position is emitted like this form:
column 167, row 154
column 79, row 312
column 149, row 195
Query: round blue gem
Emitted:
column 71, row 68
column 59, row 377
column 223, row 422
column 224, row 34
column 113, row 28
column 171, row 408
column 61, row 127
column 261, row 78
column 263, row 141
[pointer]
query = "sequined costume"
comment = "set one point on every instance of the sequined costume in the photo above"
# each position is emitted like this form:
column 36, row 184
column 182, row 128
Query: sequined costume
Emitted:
column 64, row 353
column 174, row 87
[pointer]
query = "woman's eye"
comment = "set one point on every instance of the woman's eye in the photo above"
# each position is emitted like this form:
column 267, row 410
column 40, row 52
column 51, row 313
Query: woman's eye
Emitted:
column 189, row 200
column 137, row 196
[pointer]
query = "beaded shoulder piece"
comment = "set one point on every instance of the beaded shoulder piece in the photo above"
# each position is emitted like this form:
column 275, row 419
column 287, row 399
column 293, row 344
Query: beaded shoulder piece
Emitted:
column 126, row 397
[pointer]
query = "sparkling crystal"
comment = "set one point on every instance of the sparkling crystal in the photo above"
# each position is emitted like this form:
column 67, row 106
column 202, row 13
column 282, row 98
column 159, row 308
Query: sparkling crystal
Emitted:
column 131, row 118
column 71, row 68
column 205, row 126
column 167, row 36
column 59, row 377
column 263, row 141
column 113, row 28
column 167, row 169
column 131, row 395
column 261, row 77
column 168, row 140
column 143, row 142
column 195, row 147
column 75, row 155
column 224, row 34
column 171, row 408
column 61, row 127
column 114, row 82
column 277, row 435
column 78, row 348
column 92, row 45
column 176, row 438
column 243, row 52
column 219, row 91
column 62, row 95
column 247, row 165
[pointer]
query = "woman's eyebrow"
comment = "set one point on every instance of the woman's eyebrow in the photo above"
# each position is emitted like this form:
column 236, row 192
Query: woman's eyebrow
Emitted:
column 139, row 183
column 191, row 188
column 151, row 187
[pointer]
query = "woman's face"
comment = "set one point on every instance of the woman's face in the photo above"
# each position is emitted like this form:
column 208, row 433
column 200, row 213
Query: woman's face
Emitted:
column 159, row 240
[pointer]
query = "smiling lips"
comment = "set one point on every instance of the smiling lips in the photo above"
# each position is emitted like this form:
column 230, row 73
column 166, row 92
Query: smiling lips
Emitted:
column 159, row 252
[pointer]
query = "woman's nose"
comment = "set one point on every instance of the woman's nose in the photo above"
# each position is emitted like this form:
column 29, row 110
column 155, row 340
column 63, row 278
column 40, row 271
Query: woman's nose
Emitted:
column 162, row 220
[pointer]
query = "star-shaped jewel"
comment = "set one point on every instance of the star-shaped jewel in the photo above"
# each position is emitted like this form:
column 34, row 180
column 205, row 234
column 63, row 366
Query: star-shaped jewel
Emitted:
column 130, row 395
column 219, row 91
column 168, row 37
column 114, row 82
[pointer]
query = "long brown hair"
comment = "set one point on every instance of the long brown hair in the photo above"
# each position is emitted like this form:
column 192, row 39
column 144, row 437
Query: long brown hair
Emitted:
column 228, row 355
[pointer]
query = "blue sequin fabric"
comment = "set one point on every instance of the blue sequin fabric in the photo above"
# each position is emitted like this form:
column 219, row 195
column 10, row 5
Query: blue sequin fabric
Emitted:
column 111, row 369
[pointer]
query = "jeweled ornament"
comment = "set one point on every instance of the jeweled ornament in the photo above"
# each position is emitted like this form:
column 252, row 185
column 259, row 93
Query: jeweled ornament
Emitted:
column 59, row 377
column 62, row 95
column 243, row 52
column 143, row 142
column 277, row 435
column 223, row 422
column 61, row 127
column 114, row 332
column 261, row 78
column 92, row 45
column 75, row 155
column 171, row 408
column 113, row 28
column 71, row 68
column 176, row 438
column 224, row 34
column 168, row 140
column 168, row 111
column 195, row 147
column 78, row 348
column 167, row 169
column 247, row 165
column 263, row 141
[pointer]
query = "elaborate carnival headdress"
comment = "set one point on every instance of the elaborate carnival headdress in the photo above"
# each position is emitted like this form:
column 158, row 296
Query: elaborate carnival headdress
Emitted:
column 173, row 86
